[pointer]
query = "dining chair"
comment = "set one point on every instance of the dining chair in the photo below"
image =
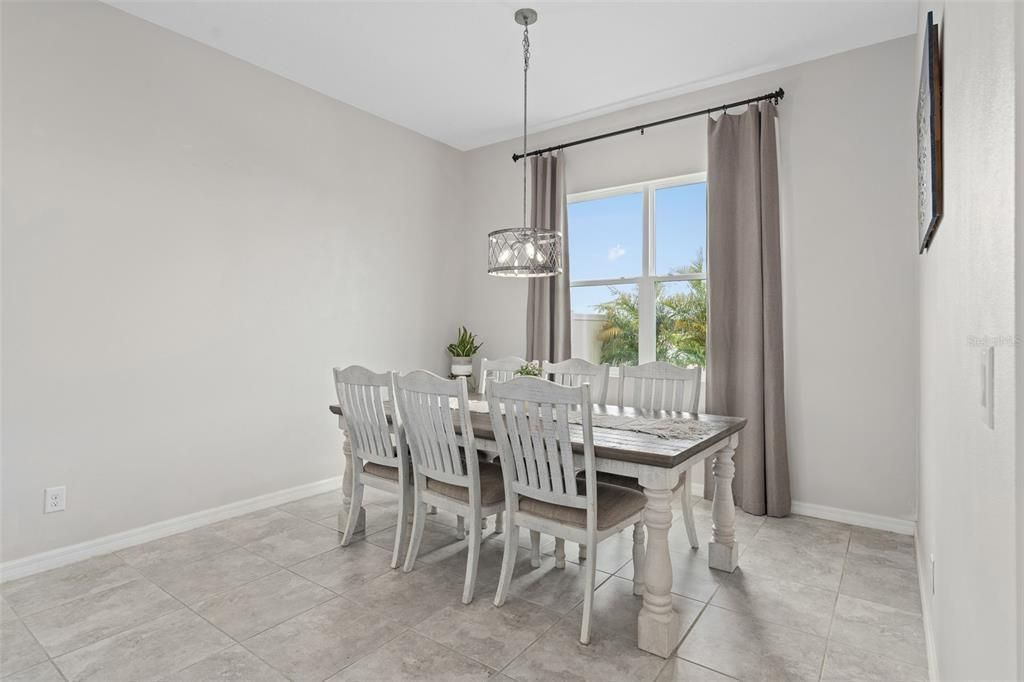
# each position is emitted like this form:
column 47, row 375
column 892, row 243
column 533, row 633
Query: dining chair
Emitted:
column 378, row 446
column 575, row 371
column 662, row 386
column 498, row 370
column 447, row 472
column 531, row 424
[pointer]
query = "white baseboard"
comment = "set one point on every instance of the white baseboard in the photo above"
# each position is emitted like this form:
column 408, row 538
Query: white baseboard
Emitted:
column 62, row 556
column 854, row 518
column 923, row 583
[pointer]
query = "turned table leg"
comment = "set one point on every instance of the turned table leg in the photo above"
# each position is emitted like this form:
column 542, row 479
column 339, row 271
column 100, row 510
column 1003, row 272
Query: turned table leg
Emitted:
column 658, row 626
column 346, row 493
column 723, row 550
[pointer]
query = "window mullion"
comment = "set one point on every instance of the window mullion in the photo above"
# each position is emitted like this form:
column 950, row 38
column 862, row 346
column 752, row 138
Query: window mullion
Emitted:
column 646, row 301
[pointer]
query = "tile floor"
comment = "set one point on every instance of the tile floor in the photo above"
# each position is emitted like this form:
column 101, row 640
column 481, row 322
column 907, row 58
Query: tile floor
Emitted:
column 271, row 596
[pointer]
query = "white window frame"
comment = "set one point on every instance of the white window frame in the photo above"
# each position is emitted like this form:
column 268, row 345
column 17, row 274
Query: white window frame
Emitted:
column 647, row 278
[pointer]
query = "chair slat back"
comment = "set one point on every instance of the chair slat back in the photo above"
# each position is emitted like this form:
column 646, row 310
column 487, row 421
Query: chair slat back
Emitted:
column 361, row 394
column 530, row 417
column 575, row 372
column 435, row 431
column 498, row 370
column 662, row 386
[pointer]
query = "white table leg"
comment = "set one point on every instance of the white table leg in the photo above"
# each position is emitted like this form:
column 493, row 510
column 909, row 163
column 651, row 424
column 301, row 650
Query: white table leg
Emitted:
column 723, row 550
column 658, row 626
column 346, row 493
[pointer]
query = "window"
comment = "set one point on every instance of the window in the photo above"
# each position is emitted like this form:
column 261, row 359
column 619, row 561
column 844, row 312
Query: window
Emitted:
column 639, row 280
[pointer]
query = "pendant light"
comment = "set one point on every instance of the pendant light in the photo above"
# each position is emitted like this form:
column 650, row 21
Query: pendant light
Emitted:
column 524, row 251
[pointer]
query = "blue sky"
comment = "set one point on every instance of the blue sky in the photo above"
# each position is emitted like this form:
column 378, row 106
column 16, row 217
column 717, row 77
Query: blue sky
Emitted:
column 606, row 237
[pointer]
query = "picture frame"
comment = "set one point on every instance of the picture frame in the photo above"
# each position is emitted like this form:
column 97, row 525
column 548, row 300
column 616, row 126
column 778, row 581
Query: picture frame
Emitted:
column 929, row 138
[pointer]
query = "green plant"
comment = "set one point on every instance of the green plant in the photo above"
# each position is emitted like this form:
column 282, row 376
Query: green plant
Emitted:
column 680, row 322
column 466, row 345
column 530, row 369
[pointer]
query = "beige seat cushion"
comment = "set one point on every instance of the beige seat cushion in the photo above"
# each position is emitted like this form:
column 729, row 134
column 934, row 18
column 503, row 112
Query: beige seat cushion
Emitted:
column 614, row 505
column 492, row 486
column 381, row 471
column 621, row 481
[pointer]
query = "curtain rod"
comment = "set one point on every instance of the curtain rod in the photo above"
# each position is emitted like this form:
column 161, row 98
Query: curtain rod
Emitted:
column 776, row 97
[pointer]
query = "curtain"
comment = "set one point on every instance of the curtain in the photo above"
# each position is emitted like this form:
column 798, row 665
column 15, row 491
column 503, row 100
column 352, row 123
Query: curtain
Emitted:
column 548, row 316
column 745, row 364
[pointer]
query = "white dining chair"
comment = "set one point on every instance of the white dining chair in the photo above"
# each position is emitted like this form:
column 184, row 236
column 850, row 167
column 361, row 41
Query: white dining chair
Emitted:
column 498, row 370
column 530, row 417
column 380, row 459
column 447, row 472
column 662, row 386
column 575, row 371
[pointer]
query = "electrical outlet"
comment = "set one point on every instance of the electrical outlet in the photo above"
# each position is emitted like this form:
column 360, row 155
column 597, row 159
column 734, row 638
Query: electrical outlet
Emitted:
column 55, row 499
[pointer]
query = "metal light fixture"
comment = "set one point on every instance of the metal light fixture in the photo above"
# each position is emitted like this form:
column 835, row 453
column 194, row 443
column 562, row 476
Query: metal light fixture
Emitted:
column 524, row 251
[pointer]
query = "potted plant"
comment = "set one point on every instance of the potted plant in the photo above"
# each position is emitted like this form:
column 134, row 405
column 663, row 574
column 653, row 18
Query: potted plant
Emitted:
column 530, row 369
column 462, row 352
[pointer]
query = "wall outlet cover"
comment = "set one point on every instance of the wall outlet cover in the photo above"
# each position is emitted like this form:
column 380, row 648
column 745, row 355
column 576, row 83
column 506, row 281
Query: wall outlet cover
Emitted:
column 55, row 499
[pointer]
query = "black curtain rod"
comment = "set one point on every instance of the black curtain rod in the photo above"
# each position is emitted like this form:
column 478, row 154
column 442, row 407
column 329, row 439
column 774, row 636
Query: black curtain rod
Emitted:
column 774, row 96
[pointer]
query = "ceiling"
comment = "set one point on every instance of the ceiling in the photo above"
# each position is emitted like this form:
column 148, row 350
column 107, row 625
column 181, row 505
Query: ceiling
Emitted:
column 453, row 70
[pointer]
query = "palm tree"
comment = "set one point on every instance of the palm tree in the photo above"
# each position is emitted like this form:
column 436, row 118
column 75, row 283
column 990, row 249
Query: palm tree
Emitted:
column 680, row 323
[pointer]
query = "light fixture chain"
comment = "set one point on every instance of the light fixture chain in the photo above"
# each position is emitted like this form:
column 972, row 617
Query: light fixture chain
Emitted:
column 526, row 68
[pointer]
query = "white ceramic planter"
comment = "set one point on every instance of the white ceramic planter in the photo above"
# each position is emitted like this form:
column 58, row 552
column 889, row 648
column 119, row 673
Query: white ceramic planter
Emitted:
column 462, row 367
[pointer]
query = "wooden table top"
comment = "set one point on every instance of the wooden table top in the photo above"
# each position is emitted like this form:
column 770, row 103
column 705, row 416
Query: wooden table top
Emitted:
column 631, row 446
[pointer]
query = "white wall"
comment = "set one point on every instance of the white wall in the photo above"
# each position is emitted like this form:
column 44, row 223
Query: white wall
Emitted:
column 189, row 245
column 848, row 219
column 967, row 505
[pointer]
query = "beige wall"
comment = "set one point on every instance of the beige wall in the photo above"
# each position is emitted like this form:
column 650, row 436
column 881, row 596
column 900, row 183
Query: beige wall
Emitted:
column 967, row 494
column 189, row 245
column 848, row 220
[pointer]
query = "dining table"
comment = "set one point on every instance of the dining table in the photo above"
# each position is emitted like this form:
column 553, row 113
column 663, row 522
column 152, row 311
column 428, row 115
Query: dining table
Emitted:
column 656, row 454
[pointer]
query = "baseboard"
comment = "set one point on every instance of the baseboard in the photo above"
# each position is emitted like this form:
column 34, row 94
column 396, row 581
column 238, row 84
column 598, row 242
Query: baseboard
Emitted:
column 854, row 518
column 923, row 574
column 62, row 556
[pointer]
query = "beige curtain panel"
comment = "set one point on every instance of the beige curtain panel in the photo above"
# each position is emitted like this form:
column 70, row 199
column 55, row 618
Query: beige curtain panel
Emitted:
column 745, row 364
column 548, row 315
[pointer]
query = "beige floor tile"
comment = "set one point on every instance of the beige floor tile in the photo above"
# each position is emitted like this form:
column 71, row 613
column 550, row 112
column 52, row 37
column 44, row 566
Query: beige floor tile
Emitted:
column 437, row 539
column 378, row 517
column 847, row 664
column 807, row 563
column 18, row 648
column 801, row 530
column 879, row 628
column 746, row 530
column 176, row 549
column 558, row 589
column 236, row 664
column 99, row 615
column 316, row 507
column 45, row 590
column 784, row 602
column 557, row 654
column 44, row 672
column 486, row 633
column 210, row 576
column 6, row 612
column 342, row 568
column 255, row 526
column 409, row 598
column 261, row 604
column 868, row 577
column 678, row 670
column 320, row 642
column 691, row 575
column 616, row 609
column 412, row 657
column 172, row 642
column 748, row 649
column 893, row 549
column 295, row 543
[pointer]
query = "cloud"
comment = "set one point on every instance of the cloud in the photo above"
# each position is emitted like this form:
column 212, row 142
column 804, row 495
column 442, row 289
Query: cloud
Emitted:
column 616, row 252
